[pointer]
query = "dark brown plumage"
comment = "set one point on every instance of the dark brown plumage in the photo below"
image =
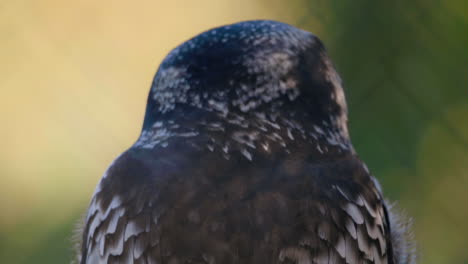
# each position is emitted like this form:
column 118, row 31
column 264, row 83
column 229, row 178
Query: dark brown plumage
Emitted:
column 244, row 158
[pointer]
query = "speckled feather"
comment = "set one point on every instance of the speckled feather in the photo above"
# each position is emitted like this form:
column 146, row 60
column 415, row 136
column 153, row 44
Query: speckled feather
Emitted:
column 244, row 157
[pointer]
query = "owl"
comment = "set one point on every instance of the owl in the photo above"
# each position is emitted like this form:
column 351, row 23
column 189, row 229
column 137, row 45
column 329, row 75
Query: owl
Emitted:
column 244, row 157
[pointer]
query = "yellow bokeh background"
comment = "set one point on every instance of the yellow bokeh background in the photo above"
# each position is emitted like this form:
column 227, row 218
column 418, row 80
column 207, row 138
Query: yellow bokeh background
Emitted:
column 75, row 76
column 74, row 80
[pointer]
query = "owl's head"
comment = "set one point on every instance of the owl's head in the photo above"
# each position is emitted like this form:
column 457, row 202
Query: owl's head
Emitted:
column 249, row 68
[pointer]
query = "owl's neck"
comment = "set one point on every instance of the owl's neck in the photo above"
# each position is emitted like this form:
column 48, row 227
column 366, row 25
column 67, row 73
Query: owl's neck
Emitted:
column 258, row 131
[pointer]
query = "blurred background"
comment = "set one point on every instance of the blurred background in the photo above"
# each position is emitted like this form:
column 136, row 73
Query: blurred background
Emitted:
column 75, row 76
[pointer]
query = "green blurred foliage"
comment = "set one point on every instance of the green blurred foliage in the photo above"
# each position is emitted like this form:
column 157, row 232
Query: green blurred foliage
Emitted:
column 404, row 65
column 405, row 69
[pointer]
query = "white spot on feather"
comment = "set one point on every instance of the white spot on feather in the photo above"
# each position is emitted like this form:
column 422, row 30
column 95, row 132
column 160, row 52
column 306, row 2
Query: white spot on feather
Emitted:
column 246, row 154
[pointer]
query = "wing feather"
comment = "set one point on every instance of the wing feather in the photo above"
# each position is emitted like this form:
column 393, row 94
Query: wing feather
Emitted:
column 195, row 222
